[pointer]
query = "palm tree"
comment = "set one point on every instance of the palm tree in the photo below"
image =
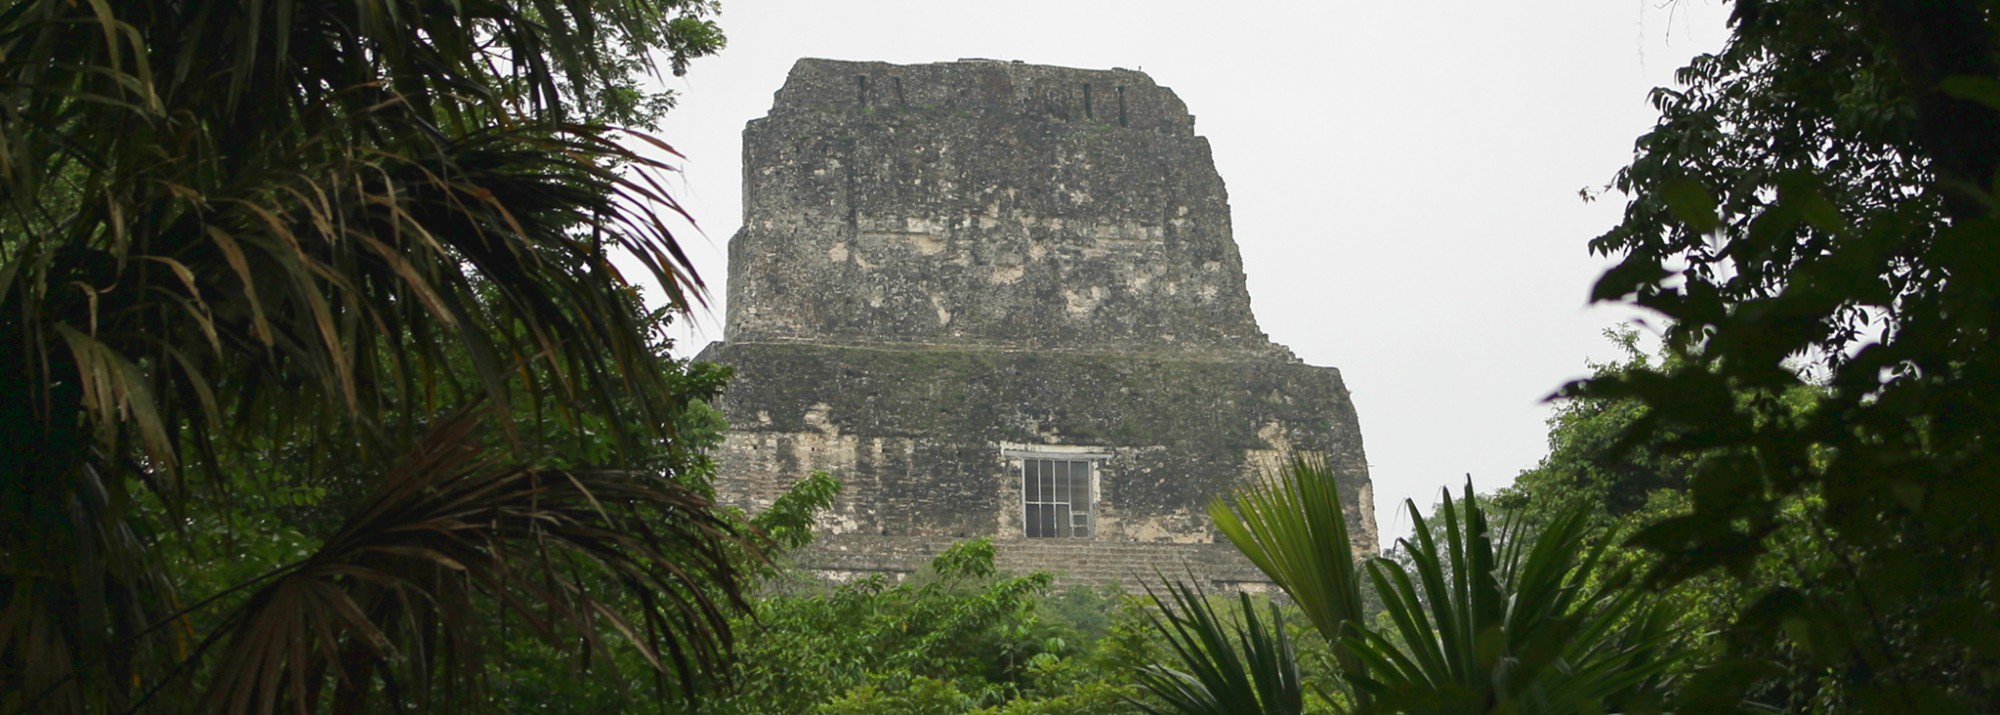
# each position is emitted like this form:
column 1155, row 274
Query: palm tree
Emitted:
column 1518, row 623
column 1256, row 672
column 1514, row 622
column 236, row 230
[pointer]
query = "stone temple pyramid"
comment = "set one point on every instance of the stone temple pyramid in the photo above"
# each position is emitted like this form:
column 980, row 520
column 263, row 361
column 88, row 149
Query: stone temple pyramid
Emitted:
column 999, row 299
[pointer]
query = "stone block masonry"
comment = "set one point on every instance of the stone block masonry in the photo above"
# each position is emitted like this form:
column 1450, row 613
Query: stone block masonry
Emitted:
column 999, row 299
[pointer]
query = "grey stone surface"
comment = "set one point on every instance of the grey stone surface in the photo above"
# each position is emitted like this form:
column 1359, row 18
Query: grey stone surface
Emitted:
column 942, row 263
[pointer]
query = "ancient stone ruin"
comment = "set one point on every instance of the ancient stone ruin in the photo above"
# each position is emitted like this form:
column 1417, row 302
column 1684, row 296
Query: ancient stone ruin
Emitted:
column 999, row 299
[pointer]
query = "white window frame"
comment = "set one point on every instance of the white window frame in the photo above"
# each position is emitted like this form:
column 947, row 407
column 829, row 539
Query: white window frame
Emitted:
column 1019, row 457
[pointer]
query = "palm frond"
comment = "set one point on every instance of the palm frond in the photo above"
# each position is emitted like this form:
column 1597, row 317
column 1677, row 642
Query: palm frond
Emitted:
column 390, row 606
column 1242, row 668
column 1293, row 526
column 268, row 187
column 1482, row 620
column 1514, row 627
column 233, row 227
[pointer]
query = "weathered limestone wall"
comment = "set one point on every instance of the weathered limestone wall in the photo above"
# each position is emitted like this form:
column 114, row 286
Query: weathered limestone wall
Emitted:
column 944, row 265
column 918, row 435
column 981, row 203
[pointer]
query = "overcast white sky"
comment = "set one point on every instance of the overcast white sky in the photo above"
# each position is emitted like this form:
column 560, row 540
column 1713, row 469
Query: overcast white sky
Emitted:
column 1403, row 176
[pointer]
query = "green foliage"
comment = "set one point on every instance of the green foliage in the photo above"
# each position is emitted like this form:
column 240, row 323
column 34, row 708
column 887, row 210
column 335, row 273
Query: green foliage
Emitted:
column 1256, row 672
column 957, row 638
column 1080, row 684
column 956, row 622
column 536, row 675
column 1628, row 479
column 313, row 274
column 1820, row 195
column 1506, row 623
column 920, row 696
column 1595, row 460
column 680, row 31
column 1291, row 525
column 789, row 520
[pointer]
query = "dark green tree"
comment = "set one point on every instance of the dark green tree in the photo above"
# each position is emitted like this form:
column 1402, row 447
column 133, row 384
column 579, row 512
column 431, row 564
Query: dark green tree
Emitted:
column 253, row 249
column 957, row 637
column 1592, row 461
column 1816, row 209
column 1628, row 479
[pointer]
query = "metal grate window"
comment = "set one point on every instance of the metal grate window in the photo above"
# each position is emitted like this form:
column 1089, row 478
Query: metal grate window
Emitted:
column 1055, row 497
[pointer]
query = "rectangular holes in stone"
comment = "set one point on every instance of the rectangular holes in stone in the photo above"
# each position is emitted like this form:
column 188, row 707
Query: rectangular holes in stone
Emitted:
column 1056, row 497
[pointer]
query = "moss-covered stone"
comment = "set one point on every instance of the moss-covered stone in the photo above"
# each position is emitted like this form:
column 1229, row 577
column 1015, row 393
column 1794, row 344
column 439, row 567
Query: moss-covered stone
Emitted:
column 945, row 269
